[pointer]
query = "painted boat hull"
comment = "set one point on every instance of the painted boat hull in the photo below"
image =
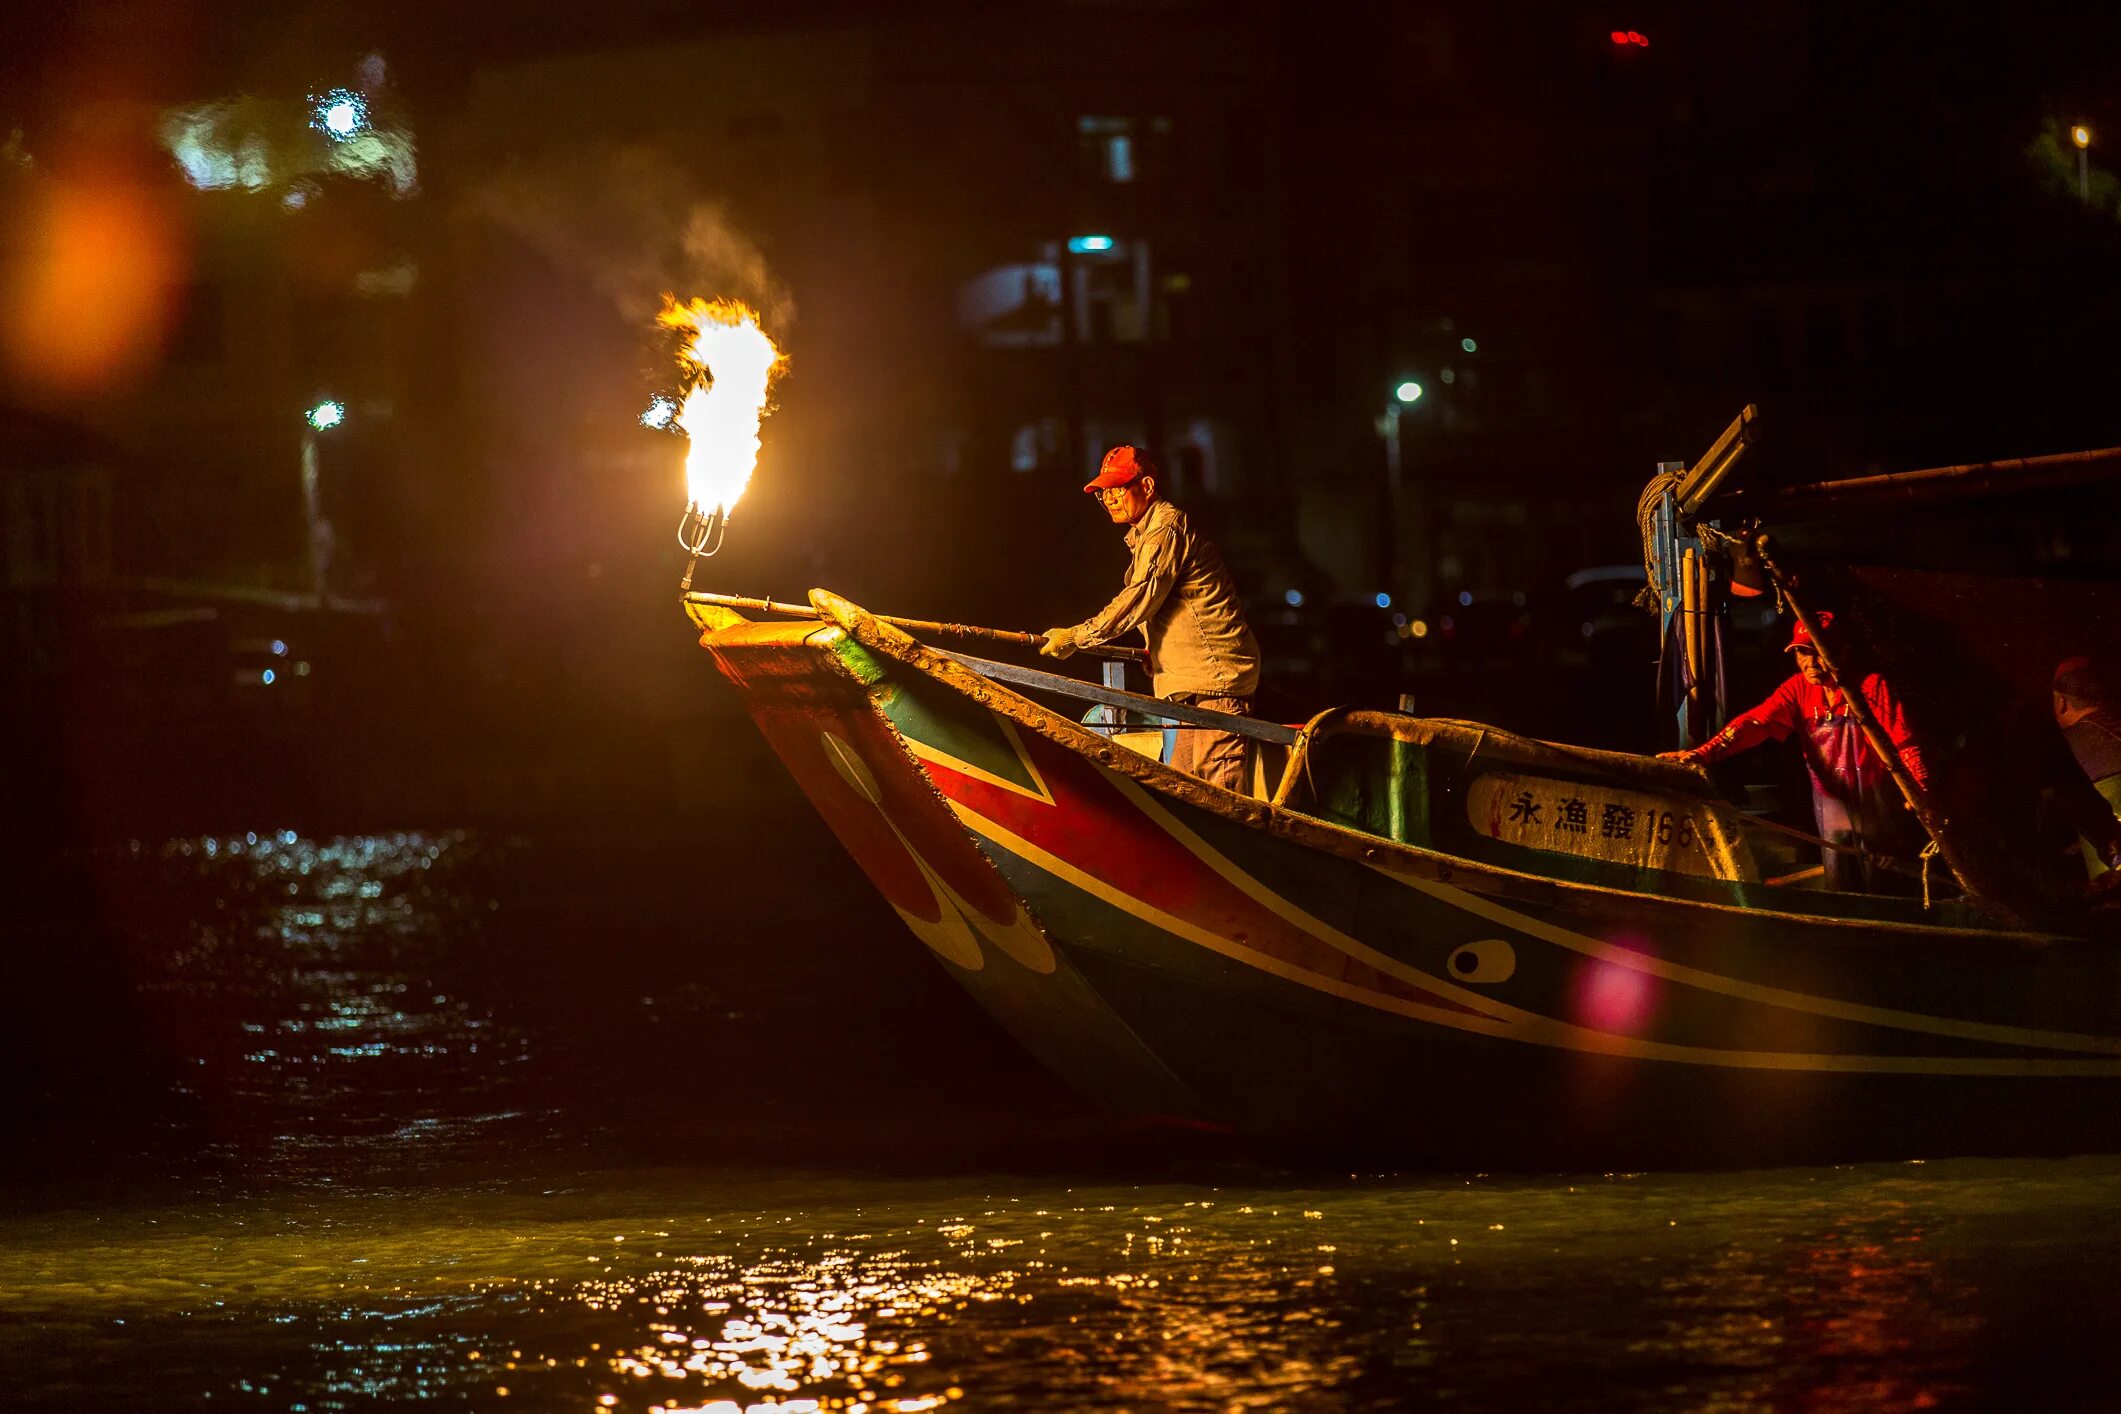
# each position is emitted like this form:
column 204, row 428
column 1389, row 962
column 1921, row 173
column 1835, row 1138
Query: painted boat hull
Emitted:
column 1172, row 949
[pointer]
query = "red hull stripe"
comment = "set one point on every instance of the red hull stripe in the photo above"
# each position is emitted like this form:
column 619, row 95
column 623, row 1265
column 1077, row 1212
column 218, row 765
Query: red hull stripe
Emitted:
column 1097, row 829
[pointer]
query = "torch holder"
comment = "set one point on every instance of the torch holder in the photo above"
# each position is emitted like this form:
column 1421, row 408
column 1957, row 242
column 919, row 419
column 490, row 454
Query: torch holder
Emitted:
column 700, row 534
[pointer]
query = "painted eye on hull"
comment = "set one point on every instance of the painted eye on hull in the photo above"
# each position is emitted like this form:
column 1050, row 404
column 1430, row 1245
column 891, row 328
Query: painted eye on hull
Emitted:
column 1487, row 960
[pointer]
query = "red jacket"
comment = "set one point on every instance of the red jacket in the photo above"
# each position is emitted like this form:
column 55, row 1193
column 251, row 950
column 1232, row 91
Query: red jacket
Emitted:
column 1842, row 762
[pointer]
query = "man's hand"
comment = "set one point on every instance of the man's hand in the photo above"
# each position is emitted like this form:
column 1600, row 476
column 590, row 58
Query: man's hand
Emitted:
column 1684, row 758
column 1060, row 643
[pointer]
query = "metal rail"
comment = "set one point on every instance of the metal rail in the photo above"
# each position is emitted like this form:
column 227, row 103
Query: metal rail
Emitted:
column 1155, row 707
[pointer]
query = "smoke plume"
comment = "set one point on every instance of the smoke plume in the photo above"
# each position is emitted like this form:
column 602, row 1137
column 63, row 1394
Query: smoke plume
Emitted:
column 632, row 223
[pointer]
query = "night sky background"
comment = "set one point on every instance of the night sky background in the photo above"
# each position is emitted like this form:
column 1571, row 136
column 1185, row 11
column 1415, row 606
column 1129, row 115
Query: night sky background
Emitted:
column 993, row 239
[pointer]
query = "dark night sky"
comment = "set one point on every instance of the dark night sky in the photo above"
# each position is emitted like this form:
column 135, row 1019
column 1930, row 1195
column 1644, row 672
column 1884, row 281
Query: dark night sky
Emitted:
column 1842, row 213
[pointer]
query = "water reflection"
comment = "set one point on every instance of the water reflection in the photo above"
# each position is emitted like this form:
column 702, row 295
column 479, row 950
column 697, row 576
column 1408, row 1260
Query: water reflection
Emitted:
column 431, row 1074
column 307, row 1003
column 1816, row 1289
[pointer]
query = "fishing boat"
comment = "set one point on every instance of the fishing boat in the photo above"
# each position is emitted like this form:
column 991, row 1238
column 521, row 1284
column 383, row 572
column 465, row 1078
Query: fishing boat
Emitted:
column 1430, row 940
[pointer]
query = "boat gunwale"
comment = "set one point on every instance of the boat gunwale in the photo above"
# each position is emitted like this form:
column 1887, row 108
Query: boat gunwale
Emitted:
column 1375, row 851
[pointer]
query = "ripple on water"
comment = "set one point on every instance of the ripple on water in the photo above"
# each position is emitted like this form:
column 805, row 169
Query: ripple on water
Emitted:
column 689, row 1289
column 356, row 1016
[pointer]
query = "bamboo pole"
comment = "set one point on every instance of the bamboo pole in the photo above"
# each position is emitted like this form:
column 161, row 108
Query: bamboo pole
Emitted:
column 2058, row 471
column 1935, row 825
column 1690, row 607
column 927, row 626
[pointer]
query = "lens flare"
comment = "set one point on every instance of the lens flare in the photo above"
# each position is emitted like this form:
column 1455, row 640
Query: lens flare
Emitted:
column 729, row 365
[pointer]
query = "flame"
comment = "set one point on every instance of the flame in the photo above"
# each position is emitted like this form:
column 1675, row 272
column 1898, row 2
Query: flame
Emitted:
column 729, row 365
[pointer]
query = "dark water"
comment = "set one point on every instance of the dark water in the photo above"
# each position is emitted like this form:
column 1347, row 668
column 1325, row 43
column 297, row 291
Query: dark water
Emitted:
column 469, row 1121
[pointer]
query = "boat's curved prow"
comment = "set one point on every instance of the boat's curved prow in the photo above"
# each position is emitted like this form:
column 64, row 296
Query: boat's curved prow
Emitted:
column 815, row 692
column 1443, row 941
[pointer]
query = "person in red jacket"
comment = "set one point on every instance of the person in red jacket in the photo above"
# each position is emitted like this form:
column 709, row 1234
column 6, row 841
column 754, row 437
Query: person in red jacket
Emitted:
column 1853, row 795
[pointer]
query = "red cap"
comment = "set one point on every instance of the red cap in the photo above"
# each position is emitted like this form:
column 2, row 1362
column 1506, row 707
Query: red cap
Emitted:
column 1120, row 467
column 1801, row 639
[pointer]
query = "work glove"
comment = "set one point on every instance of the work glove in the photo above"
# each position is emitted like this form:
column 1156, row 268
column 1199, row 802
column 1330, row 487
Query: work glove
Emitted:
column 1060, row 643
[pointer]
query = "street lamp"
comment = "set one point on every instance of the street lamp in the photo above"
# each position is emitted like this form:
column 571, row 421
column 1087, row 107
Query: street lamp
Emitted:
column 1404, row 396
column 339, row 114
column 2082, row 136
column 321, row 416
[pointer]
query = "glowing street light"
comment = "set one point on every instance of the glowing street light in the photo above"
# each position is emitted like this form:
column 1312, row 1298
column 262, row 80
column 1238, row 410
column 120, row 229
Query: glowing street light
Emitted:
column 1089, row 245
column 1397, row 501
column 340, row 114
column 321, row 416
column 2082, row 136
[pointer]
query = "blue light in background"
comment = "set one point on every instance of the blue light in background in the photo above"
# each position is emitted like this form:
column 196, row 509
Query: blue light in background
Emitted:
column 1088, row 245
column 661, row 413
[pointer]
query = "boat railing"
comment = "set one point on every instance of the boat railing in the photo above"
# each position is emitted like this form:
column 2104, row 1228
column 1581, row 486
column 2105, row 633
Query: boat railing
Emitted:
column 1478, row 739
column 1474, row 738
column 1155, row 709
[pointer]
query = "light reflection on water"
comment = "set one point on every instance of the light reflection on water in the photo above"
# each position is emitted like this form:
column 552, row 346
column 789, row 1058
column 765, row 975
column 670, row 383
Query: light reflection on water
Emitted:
column 325, row 1025
column 430, row 1087
column 1861, row 1288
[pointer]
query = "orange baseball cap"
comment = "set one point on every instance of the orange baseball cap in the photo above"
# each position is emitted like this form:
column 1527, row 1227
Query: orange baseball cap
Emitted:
column 1120, row 467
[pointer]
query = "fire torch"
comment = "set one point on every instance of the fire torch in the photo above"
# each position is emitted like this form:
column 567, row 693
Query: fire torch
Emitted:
column 729, row 363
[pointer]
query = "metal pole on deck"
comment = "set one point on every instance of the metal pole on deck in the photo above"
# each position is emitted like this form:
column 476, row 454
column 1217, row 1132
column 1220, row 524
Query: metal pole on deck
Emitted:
column 1939, row 829
column 1389, row 429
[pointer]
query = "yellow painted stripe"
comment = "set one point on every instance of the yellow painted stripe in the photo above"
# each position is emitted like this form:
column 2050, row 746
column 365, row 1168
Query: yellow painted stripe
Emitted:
column 1833, row 1008
column 1291, row 913
column 1214, row 942
column 1754, row 991
column 1523, row 1026
column 936, row 756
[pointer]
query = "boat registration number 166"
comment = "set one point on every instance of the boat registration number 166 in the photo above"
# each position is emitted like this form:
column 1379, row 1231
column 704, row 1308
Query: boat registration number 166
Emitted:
column 1590, row 821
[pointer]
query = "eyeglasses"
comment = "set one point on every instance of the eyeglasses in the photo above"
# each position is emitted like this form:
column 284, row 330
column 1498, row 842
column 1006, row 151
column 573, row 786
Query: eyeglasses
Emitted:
column 1106, row 493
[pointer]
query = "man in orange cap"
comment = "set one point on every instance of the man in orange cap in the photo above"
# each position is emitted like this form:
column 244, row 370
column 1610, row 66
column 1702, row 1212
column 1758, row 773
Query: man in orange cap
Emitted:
column 1201, row 650
column 1853, row 795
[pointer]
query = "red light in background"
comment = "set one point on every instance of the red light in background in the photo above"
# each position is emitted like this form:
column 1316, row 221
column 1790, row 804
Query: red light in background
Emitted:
column 1620, row 36
column 1631, row 36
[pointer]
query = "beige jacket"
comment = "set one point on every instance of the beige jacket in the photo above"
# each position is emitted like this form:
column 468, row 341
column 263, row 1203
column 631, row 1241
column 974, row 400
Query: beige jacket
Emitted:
column 1185, row 603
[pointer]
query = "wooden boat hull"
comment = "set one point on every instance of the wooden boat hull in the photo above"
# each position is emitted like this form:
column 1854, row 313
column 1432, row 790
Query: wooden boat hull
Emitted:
column 1176, row 950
